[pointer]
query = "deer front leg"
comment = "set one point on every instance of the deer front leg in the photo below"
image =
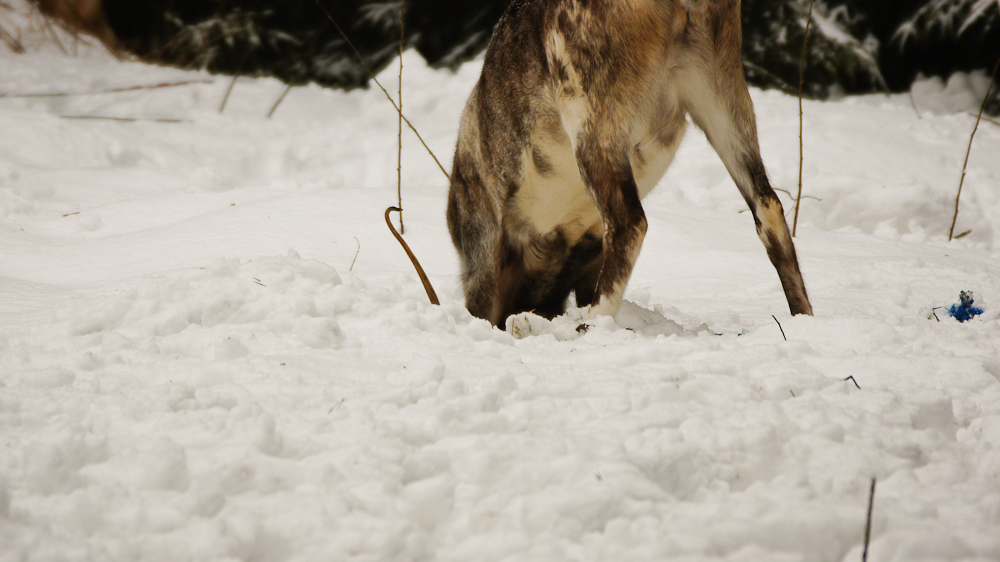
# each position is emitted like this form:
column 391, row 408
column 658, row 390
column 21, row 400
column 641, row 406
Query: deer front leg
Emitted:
column 607, row 175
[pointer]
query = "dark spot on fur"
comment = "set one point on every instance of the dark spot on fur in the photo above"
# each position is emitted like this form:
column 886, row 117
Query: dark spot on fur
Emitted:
column 717, row 23
column 687, row 37
column 639, row 158
column 562, row 72
column 565, row 25
column 541, row 162
column 758, row 177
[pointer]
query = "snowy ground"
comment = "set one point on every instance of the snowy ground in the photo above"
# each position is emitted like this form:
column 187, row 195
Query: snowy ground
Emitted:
column 191, row 369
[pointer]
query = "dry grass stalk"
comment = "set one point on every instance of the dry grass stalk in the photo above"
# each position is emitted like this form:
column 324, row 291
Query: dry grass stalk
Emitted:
column 13, row 43
column 229, row 90
column 377, row 83
column 399, row 156
column 954, row 218
column 868, row 520
column 802, row 71
column 987, row 119
column 780, row 328
column 121, row 119
column 280, row 99
column 108, row 91
column 355, row 253
column 913, row 104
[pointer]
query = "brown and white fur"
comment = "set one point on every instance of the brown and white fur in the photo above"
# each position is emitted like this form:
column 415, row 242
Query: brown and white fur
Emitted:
column 579, row 110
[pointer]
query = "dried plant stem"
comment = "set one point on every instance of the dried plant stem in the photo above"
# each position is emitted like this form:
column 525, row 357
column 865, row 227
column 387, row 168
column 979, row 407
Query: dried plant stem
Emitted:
column 109, row 91
column 399, row 156
column 355, row 254
column 229, row 90
column 954, row 218
column 913, row 104
column 12, row 42
column 802, row 78
column 122, row 119
column 53, row 34
column 413, row 259
column 780, row 328
column 868, row 521
column 384, row 91
column 280, row 99
column 987, row 119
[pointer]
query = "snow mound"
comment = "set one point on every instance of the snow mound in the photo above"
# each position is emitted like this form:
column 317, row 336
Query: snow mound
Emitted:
column 225, row 303
column 568, row 326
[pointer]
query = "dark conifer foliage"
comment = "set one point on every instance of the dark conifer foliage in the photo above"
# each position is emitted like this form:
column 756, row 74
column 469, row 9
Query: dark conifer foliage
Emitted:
column 837, row 57
column 294, row 40
column 855, row 45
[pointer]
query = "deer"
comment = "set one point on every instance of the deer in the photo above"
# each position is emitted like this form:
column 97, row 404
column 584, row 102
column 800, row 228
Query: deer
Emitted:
column 578, row 112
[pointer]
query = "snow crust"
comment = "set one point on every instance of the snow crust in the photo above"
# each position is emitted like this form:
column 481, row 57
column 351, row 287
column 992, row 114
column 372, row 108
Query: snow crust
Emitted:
column 212, row 349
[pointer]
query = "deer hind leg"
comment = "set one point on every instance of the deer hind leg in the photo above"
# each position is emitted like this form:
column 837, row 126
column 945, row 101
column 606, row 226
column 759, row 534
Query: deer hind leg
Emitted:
column 719, row 103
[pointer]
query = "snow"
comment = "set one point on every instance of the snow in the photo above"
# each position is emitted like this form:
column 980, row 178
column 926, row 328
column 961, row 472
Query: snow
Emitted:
column 211, row 348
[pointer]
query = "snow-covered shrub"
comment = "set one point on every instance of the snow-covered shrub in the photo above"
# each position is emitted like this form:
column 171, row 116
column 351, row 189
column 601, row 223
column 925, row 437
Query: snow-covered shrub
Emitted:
column 773, row 32
column 950, row 18
column 964, row 33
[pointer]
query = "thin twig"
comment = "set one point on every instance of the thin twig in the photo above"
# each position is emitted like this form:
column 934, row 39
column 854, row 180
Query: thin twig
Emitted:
column 355, row 254
column 229, row 90
column 987, row 119
column 780, row 328
column 280, row 99
column 802, row 78
column 12, row 42
column 792, row 197
column 54, row 35
column 109, row 91
column 868, row 521
column 399, row 157
column 122, row 119
column 413, row 259
column 914, row 104
column 968, row 150
column 934, row 312
column 377, row 83
column 335, row 406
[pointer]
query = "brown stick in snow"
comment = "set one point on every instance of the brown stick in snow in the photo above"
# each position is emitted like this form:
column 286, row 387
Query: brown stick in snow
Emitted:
column 413, row 259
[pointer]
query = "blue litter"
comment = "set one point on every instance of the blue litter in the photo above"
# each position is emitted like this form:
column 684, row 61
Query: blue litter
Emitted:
column 964, row 309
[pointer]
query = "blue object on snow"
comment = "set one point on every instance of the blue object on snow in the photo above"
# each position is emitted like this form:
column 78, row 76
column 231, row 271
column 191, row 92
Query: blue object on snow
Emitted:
column 963, row 310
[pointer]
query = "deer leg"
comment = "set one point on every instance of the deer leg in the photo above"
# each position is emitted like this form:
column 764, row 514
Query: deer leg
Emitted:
column 607, row 175
column 720, row 105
